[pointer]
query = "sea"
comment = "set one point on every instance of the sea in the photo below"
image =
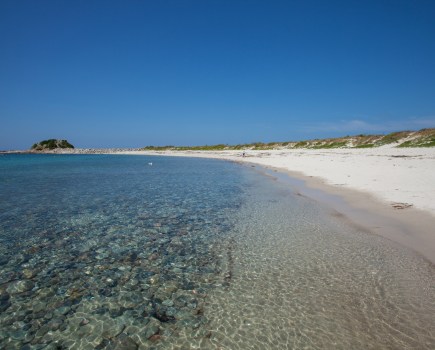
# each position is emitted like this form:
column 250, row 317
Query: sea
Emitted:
column 149, row 252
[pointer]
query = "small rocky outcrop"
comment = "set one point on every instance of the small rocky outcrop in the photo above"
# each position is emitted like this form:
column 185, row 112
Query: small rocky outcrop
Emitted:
column 51, row 144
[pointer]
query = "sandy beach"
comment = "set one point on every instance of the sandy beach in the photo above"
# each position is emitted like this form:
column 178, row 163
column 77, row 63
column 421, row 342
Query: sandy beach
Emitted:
column 393, row 175
column 389, row 191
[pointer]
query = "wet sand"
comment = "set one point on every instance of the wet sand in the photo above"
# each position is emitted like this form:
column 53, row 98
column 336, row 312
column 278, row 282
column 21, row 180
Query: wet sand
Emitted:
column 302, row 276
column 409, row 227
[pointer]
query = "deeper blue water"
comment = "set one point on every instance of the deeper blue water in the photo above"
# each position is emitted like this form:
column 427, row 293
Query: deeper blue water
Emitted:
column 109, row 252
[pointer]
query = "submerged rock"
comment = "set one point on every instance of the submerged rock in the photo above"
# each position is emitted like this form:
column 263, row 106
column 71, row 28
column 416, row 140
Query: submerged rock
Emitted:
column 39, row 306
column 22, row 286
column 121, row 342
column 93, row 275
column 28, row 273
column 142, row 335
column 4, row 305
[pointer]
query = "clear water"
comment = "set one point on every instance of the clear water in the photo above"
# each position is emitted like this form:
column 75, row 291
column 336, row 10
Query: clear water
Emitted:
column 108, row 252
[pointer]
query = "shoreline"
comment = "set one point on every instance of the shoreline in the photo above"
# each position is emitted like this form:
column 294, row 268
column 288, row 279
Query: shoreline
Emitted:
column 391, row 175
column 411, row 227
column 370, row 188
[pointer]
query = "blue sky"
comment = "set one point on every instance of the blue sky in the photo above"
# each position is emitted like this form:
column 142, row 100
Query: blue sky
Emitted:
column 136, row 73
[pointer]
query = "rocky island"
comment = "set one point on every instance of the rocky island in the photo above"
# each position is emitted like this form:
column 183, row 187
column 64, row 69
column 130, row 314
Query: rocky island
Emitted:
column 51, row 144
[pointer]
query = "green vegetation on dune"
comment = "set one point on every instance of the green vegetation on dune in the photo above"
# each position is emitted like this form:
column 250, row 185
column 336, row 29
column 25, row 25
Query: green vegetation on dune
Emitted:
column 429, row 142
column 327, row 145
column 157, row 148
column 426, row 138
column 422, row 138
column 367, row 145
column 393, row 137
column 204, row 148
column 186, row 148
column 301, row 144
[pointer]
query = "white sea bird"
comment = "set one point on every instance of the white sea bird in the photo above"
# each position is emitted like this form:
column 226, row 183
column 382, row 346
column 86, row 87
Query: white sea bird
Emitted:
column 150, row 163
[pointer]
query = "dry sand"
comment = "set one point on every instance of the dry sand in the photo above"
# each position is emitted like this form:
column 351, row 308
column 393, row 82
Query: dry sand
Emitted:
column 387, row 191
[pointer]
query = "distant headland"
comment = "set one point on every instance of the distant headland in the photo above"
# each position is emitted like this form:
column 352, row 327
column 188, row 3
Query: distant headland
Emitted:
column 401, row 139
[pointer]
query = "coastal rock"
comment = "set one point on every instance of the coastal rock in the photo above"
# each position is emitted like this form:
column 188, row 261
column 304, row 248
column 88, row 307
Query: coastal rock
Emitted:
column 51, row 144
column 6, row 277
column 21, row 286
column 42, row 331
column 4, row 295
column 28, row 273
column 168, row 302
column 130, row 300
column 112, row 329
column 142, row 334
column 154, row 279
column 38, row 307
column 153, row 257
column 55, row 324
column 21, row 335
column 166, row 291
column 63, row 310
column 122, row 342
column 46, row 293
column 4, row 305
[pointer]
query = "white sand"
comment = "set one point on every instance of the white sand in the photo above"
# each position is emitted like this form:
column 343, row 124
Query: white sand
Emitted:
column 393, row 175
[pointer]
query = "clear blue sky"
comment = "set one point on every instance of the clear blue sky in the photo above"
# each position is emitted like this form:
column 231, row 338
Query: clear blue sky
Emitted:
column 136, row 73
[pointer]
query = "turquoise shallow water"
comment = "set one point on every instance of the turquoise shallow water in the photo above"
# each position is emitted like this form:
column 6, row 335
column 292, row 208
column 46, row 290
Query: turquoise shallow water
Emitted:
column 108, row 252
column 95, row 248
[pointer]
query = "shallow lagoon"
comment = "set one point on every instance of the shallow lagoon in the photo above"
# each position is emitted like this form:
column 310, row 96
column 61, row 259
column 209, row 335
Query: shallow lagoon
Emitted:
column 109, row 252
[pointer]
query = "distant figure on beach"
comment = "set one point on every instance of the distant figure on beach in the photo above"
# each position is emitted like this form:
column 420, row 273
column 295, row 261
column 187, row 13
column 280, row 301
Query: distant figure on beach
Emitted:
column 243, row 154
